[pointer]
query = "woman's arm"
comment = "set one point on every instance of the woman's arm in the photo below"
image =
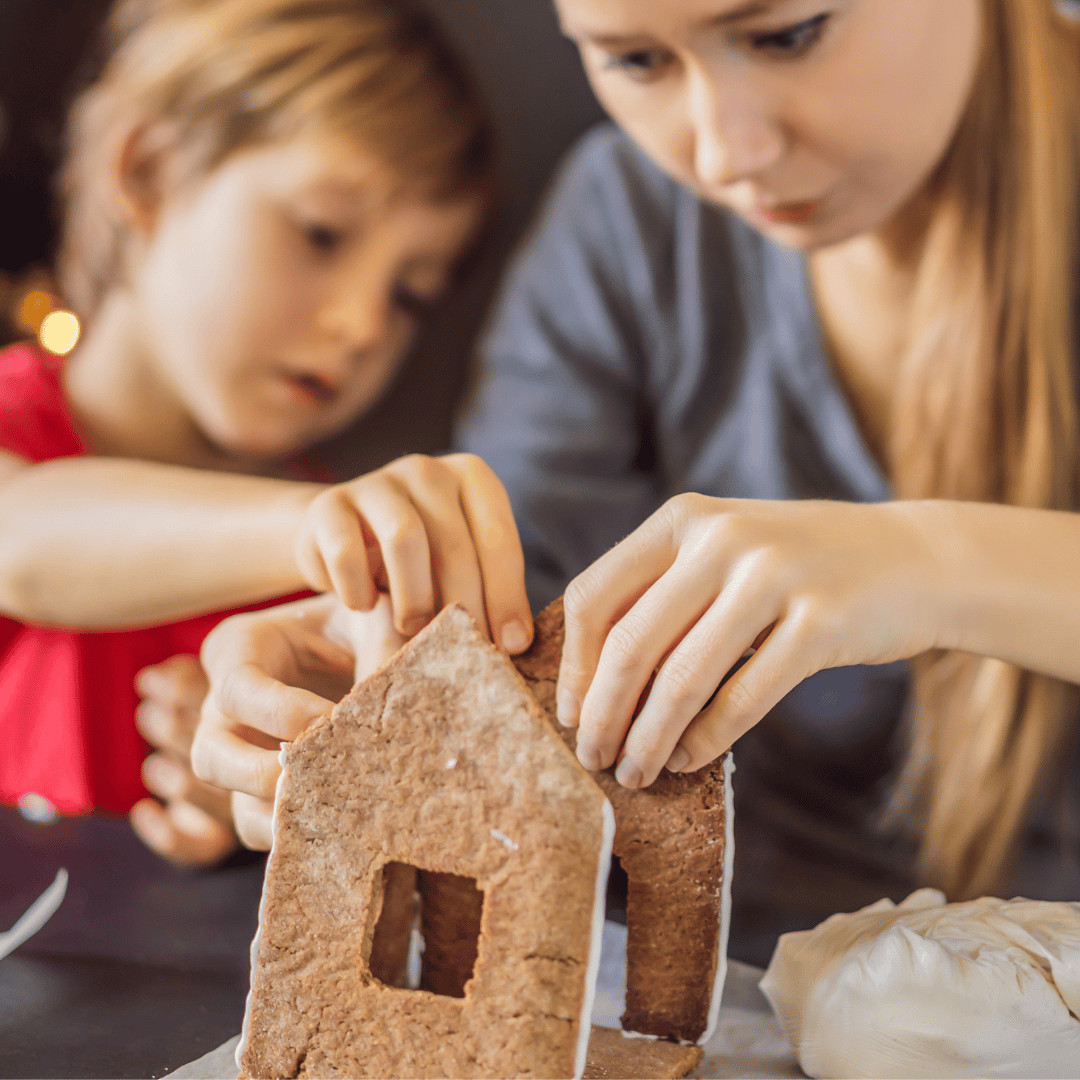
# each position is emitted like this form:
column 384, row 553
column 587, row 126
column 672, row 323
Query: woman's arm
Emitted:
column 104, row 542
column 807, row 586
column 1009, row 583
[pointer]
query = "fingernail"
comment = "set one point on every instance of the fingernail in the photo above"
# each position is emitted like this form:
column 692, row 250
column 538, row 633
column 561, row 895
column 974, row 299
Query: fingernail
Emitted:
column 680, row 758
column 514, row 637
column 568, row 709
column 628, row 774
column 589, row 756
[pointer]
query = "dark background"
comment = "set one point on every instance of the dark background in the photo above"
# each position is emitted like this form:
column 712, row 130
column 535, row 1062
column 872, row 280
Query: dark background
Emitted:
column 530, row 77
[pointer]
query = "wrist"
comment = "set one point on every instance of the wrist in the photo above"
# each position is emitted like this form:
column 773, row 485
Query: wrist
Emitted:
column 942, row 561
column 289, row 514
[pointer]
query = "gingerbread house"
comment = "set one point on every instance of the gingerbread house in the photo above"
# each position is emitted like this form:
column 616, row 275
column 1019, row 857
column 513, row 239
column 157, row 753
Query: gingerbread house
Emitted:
column 441, row 784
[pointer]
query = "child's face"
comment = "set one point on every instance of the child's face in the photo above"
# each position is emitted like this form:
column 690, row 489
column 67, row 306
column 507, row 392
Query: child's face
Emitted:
column 277, row 299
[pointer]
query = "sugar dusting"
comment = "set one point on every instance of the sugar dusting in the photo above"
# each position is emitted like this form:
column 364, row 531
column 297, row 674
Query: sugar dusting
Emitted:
column 504, row 839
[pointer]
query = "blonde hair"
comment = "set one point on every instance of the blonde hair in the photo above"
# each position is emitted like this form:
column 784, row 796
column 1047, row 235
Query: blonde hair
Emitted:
column 221, row 75
column 986, row 410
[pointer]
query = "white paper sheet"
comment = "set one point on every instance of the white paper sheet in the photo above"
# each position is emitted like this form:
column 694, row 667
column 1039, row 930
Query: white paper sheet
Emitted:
column 748, row 1042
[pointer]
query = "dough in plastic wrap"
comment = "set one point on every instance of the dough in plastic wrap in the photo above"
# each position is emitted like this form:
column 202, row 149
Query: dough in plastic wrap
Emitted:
column 988, row 988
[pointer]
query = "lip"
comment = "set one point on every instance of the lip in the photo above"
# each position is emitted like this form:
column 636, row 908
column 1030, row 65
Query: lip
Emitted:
column 312, row 386
column 793, row 213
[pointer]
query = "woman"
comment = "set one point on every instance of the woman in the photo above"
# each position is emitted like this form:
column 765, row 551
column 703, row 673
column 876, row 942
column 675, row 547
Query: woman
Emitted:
column 812, row 311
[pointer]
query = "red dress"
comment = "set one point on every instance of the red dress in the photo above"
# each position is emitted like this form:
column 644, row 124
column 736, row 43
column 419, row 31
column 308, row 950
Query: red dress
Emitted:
column 67, row 698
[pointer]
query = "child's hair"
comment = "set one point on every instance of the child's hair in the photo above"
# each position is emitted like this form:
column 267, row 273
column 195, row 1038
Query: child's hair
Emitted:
column 217, row 76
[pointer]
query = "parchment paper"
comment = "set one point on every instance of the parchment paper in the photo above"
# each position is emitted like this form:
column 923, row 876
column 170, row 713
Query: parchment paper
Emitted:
column 747, row 1043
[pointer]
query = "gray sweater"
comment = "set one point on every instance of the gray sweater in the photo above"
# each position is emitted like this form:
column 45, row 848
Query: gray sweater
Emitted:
column 647, row 344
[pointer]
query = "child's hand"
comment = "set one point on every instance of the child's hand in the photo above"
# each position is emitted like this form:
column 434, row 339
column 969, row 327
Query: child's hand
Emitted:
column 432, row 532
column 192, row 823
column 271, row 674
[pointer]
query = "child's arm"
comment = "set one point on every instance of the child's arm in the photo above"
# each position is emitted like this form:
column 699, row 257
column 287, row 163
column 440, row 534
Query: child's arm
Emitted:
column 105, row 542
column 109, row 542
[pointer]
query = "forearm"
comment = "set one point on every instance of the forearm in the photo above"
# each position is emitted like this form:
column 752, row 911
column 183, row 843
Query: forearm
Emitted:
column 1007, row 583
column 103, row 543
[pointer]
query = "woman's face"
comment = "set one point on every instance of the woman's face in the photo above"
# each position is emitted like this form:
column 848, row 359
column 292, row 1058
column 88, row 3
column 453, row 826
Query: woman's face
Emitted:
column 816, row 120
column 278, row 298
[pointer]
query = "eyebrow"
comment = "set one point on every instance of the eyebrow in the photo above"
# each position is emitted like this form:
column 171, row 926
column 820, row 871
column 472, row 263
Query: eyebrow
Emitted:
column 749, row 10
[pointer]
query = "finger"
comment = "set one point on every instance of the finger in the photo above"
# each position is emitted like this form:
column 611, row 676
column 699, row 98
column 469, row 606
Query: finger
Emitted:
column 222, row 758
column 169, row 729
column 248, row 695
column 172, row 781
column 435, row 491
column 689, row 677
column 337, row 534
column 310, row 562
column 634, row 647
column 372, row 637
column 182, row 834
column 495, row 539
column 177, row 683
column 253, row 820
column 595, row 601
column 396, row 523
column 778, row 666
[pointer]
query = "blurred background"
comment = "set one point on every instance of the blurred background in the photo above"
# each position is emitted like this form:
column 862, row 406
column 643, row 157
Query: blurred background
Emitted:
column 537, row 95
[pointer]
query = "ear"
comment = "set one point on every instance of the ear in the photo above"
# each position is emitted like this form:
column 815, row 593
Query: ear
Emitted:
column 140, row 165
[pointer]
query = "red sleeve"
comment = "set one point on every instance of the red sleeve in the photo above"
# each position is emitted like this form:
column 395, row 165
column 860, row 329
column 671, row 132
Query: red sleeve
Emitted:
column 36, row 421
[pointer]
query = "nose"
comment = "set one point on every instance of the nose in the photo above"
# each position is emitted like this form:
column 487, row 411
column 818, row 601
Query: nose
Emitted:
column 357, row 315
column 734, row 134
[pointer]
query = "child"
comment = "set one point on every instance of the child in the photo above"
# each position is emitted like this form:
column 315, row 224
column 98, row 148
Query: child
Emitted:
column 262, row 198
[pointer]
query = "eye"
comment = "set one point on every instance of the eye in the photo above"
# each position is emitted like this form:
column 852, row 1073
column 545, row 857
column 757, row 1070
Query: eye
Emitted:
column 792, row 42
column 642, row 65
column 323, row 238
column 414, row 303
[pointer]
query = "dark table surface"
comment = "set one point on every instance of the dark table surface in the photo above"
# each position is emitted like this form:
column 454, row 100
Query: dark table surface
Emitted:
column 143, row 968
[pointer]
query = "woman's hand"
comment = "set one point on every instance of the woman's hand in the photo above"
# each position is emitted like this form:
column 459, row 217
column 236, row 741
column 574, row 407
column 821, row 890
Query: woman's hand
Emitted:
column 191, row 824
column 432, row 532
column 272, row 673
column 808, row 585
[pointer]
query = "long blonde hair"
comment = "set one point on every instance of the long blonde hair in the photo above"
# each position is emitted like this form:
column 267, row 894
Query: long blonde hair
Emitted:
column 222, row 75
column 986, row 410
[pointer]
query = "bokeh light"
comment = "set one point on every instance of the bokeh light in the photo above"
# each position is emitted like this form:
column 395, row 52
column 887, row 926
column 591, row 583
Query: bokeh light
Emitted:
column 33, row 309
column 37, row 808
column 59, row 332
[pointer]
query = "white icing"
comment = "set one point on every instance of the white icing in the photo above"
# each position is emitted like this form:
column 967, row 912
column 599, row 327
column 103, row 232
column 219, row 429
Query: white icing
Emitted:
column 36, row 915
column 278, row 788
column 414, row 962
column 725, row 900
column 610, row 1001
column 451, row 763
column 504, row 839
column 929, row 989
column 603, row 870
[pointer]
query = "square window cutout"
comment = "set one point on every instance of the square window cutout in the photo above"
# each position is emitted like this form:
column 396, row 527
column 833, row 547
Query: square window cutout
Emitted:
column 428, row 933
